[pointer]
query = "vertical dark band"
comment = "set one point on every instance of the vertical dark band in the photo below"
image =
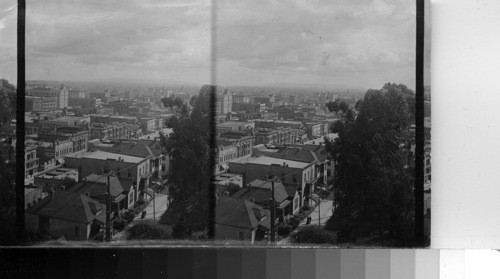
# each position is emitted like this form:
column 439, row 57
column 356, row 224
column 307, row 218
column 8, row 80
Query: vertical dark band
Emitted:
column 419, row 129
column 21, row 20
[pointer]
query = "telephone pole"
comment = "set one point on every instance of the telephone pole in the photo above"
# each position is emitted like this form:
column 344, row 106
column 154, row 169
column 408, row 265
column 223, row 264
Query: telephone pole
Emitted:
column 154, row 208
column 319, row 211
column 108, row 210
column 272, row 201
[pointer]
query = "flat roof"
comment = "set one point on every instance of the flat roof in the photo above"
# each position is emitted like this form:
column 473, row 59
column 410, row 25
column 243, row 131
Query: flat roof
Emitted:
column 264, row 160
column 103, row 155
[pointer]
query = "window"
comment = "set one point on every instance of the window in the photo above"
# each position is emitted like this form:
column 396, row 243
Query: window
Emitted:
column 129, row 173
column 77, row 230
column 294, row 179
column 241, row 236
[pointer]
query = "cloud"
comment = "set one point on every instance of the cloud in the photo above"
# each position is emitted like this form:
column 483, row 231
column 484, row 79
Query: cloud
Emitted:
column 363, row 42
column 312, row 41
column 135, row 39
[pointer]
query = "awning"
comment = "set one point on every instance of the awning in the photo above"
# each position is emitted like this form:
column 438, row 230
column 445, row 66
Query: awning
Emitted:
column 119, row 198
column 285, row 203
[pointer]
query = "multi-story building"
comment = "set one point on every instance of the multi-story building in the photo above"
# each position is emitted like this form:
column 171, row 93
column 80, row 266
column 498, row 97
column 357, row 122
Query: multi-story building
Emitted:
column 48, row 151
column 275, row 136
column 101, row 162
column 235, row 126
column 295, row 175
column 313, row 129
column 224, row 154
column 242, row 99
column 278, row 123
column 66, row 121
column 72, row 93
column 149, row 149
column 114, row 118
column 242, row 141
column 32, row 104
column 30, row 161
column 114, row 130
column 38, row 104
column 78, row 137
column 148, row 124
column 250, row 107
column 60, row 94
column 82, row 102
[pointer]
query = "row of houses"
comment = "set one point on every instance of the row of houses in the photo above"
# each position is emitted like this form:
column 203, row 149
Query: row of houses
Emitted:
column 295, row 170
column 82, row 178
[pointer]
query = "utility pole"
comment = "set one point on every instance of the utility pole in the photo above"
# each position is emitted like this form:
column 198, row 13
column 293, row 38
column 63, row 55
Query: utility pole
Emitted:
column 319, row 211
column 154, row 208
column 108, row 210
column 272, row 201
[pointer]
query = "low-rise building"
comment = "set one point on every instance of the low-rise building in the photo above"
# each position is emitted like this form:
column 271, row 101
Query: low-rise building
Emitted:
column 65, row 214
column 240, row 219
column 57, row 178
column 101, row 162
column 96, row 187
column 302, row 175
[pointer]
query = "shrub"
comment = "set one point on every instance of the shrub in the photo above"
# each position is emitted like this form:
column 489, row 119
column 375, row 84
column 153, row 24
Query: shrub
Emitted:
column 313, row 234
column 129, row 215
column 149, row 230
column 284, row 229
column 293, row 222
column 119, row 224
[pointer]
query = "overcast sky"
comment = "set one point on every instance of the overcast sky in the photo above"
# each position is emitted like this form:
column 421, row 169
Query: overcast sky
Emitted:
column 361, row 43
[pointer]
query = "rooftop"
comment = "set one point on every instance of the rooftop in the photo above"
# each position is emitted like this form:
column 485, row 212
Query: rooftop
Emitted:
column 265, row 160
column 102, row 155
column 68, row 206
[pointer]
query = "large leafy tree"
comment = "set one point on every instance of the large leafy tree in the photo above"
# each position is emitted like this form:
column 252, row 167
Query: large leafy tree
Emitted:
column 192, row 164
column 7, row 162
column 374, row 170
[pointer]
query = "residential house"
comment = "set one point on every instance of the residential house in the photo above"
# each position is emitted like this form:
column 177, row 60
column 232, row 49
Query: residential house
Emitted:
column 96, row 187
column 301, row 174
column 101, row 162
column 259, row 192
column 66, row 214
column 240, row 219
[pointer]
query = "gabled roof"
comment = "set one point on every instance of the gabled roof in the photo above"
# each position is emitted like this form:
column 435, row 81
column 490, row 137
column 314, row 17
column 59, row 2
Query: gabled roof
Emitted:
column 260, row 191
column 291, row 189
column 96, row 185
column 241, row 213
column 68, row 206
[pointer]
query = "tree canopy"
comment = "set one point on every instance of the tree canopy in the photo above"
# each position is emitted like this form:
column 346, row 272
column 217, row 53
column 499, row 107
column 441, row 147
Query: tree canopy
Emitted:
column 373, row 182
column 7, row 162
column 190, row 176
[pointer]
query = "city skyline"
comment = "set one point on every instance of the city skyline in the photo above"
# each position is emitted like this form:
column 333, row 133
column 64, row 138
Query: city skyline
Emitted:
column 370, row 43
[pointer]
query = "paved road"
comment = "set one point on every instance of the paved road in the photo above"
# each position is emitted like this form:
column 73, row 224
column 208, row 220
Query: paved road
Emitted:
column 325, row 211
column 160, row 203
column 161, row 206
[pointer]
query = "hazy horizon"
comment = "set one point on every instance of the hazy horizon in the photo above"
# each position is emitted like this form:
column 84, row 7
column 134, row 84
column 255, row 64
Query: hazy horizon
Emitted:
column 356, row 43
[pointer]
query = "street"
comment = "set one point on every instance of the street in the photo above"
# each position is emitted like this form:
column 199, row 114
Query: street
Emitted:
column 325, row 207
column 161, row 206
